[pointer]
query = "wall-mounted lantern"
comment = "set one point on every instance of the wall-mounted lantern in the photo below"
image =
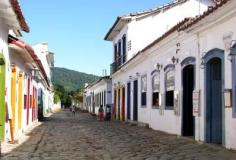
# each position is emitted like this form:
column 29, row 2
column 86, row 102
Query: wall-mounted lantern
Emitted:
column 158, row 67
column 175, row 60
column 130, row 77
column 137, row 74
column 202, row 65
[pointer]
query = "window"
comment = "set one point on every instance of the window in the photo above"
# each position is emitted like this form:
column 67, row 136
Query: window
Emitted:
column 119, row 53
column 155, row 91
column 169, row 87
column 115, row 53
column 144, row 90
column 124, row 48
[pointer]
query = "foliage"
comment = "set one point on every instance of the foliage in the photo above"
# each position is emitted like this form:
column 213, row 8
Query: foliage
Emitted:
column 71, row 80
column 68, row 85
column 56, row 98
column 63, row 95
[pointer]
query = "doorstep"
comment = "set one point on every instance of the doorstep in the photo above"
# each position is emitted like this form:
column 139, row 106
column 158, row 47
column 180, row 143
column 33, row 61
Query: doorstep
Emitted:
column 136, row 123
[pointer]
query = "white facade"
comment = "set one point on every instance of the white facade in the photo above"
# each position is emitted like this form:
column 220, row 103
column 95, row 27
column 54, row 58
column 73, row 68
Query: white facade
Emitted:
column 42, row 51
column 142, row 29
column 10, row 20
column 191, row 46
column 98, row 94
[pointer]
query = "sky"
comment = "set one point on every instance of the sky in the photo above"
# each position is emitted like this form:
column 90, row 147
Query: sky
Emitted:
column 75, row 29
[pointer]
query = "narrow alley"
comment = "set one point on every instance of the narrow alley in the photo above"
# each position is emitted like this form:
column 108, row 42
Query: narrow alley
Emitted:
column 65, row 137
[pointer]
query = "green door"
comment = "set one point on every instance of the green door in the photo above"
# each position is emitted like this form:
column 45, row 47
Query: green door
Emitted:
column 2, row 97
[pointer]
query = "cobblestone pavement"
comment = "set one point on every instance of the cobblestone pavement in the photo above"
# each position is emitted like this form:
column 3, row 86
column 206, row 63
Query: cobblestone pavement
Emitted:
column 64, row 137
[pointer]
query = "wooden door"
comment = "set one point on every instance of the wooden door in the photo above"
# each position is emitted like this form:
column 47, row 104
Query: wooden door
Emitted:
column 214, row 101
column 128, row 100
column 135, row 101
column 123, row 105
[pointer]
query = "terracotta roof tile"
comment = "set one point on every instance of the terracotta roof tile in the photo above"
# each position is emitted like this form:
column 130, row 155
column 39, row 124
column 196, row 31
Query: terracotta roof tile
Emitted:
column 185, row 24
column 210, row 10
column 16, row 7
column 146, row 12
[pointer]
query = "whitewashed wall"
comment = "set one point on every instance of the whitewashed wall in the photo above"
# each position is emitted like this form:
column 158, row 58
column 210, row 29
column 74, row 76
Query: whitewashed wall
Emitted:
column 100, row 87
column 209, row 37
column 4, row 29
column 143, row 31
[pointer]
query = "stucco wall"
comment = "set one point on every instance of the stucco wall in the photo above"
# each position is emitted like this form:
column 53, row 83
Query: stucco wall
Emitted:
column 208, row 37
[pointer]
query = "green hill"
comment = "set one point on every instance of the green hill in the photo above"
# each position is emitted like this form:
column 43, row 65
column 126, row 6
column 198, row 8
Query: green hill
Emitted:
column 70, row 79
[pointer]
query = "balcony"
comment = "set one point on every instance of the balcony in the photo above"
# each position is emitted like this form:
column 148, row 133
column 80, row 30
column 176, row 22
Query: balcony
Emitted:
column 115, row 66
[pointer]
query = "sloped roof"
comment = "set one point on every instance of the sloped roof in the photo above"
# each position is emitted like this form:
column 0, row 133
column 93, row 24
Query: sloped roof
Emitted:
column 17, row 9
column 32, row 54
column 208, row 12
column 183, row 25
column 143, row 13
column 99, row 80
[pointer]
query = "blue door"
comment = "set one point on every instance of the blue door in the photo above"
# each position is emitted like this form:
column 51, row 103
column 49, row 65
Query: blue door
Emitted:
column 128, row 101
column 214, row 93
column 135, row 101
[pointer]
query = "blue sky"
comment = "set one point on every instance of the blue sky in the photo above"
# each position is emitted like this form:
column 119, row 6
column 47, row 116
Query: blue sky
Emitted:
column 74, row 29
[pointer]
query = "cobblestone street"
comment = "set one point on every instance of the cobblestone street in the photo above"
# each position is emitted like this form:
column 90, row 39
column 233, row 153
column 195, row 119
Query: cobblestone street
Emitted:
column 64, row 137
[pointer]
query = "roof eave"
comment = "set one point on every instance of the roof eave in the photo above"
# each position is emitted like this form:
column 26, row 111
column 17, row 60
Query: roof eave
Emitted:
column 19, row 15
column 109, row 36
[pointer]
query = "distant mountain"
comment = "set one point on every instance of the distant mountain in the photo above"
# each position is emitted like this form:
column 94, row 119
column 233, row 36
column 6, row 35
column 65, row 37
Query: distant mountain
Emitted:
column 70, row 79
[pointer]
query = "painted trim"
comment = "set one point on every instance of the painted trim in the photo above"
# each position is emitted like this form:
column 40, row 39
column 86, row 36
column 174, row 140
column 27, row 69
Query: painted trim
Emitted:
column 188, row 61
column 20, row 100
column 233, row 70
column 155, row 71
column 2, row 96
column 169, row 67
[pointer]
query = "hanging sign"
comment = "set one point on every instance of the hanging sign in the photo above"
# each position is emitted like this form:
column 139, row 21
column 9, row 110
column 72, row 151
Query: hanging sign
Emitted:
column 196, row 103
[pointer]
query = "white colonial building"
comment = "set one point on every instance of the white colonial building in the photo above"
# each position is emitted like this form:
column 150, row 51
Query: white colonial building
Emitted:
column 97, row 94
column 175, row 72
column 12, row 20
column 45, row 89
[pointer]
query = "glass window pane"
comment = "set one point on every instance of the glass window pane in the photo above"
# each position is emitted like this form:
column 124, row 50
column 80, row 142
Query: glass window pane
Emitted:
column 170, row 80
column 156, row 83
column 144, row 83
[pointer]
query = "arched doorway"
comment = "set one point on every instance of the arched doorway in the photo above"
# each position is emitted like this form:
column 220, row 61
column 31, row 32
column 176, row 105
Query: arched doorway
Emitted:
column 187, row 112
column 214, row 95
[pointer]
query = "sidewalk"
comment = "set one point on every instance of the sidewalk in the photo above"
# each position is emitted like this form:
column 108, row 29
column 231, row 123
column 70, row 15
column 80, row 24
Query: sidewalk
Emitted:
column 6, row 147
